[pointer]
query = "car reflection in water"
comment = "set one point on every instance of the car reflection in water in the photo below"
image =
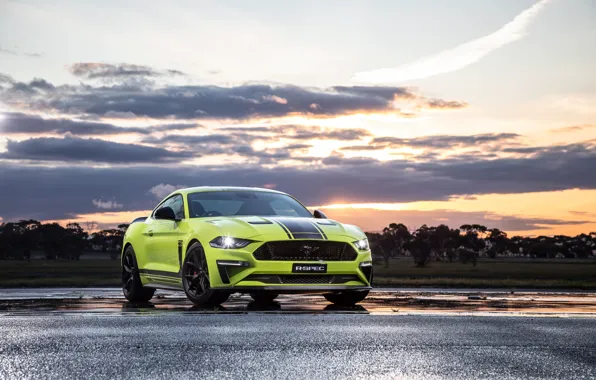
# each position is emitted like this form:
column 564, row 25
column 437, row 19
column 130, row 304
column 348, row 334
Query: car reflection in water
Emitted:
column 240, row 306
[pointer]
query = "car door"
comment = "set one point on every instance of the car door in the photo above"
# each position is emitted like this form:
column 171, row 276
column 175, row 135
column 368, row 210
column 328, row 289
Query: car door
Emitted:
column 164, row 238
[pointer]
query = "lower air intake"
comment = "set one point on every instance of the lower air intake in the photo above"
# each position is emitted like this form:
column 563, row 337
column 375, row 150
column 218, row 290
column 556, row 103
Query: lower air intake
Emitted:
column 301, row 279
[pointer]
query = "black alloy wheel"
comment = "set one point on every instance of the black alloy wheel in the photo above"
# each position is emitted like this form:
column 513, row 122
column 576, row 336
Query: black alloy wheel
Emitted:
column 196, row 281
column 132, row 288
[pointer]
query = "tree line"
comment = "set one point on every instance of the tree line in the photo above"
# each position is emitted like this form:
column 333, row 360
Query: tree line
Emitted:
column 19, row 240
column 470, row 241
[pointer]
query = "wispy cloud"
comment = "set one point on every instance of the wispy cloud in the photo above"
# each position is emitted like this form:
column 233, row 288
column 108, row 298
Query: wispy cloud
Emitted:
column 573, row 128
column 106, row 205
column 14, row 52
column 163, row 189
column 458, row 57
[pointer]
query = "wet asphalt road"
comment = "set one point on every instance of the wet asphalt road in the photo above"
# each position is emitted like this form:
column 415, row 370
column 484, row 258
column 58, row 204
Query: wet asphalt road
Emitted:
column 279, row 346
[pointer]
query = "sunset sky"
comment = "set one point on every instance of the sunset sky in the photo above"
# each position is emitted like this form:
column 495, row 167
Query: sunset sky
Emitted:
column 419, row 112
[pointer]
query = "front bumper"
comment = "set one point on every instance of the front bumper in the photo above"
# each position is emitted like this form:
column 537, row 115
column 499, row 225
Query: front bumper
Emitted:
column 239, row 271
column 292, row 288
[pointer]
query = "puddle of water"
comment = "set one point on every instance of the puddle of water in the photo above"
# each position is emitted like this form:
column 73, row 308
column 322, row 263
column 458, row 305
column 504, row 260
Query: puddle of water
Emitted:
column 100, row 301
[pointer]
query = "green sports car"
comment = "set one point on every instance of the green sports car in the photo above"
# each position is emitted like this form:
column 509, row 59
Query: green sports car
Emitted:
column 215, row 241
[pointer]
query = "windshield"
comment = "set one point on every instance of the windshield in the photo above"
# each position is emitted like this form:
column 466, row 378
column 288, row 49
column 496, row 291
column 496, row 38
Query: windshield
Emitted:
column 243, row 203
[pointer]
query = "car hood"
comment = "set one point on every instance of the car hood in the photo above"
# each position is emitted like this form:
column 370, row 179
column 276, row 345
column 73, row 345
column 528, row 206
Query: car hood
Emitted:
column 292, row 228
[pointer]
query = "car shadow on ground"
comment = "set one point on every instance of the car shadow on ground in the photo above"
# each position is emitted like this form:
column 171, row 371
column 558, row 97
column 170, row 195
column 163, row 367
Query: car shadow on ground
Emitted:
column 242, row 307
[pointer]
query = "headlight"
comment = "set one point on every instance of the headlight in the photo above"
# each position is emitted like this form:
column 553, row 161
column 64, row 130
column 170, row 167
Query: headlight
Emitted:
column 362, row 244
column 227, row 242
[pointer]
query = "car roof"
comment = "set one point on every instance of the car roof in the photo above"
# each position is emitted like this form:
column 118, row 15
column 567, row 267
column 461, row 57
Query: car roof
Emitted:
column 200, row 189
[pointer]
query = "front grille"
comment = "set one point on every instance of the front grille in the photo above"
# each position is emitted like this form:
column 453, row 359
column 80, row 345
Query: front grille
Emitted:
column 309, row 279
column 310, row 250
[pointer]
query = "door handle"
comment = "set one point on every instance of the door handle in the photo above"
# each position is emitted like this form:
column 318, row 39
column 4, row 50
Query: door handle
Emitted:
column 150, row 233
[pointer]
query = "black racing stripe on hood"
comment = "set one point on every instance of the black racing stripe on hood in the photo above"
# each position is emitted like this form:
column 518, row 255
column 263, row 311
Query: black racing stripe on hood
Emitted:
column 283, row 228
column 320, row 230
column 300, row 229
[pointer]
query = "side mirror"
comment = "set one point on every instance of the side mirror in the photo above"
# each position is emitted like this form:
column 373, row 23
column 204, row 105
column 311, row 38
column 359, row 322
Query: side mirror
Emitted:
column 319, row 214
column 165, row 213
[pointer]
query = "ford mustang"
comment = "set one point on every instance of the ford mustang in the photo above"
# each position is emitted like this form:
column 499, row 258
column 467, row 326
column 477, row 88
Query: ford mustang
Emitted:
column 215, row 241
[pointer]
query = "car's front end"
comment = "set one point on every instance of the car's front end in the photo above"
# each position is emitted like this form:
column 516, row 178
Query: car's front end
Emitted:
column 289, row 255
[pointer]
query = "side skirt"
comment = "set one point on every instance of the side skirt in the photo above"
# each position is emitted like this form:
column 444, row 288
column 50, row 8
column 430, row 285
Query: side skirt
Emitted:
column 161, row 279
column 155, row 285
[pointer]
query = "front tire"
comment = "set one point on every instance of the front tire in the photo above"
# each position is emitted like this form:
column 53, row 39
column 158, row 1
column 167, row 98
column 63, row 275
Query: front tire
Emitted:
column 132, row 287
column 346, row 298
column 196, row 281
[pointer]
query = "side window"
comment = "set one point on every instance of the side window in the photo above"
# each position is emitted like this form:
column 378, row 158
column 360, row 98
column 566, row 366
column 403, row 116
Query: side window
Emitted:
column 176, row 203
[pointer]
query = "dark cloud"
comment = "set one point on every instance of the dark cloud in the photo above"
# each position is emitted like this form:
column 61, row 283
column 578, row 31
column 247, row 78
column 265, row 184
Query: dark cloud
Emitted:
column 6, row 79
column 229, row 102
column 300, row 132
column 364, row 147
column 190, row 102
column 94, row 70
column 337, row 160
column 73, row 149
column 20, row 123
column 195, row 140
column 239, row 144
column 552, row 168
column 437, row 144
column 444, row 141
column 298, row 147
column 238, row 140
column 42, row 84
column 586, row 148
column 445, row 104
column 171, row 127
column 262, row 156
column 388, row 93
column 522, row 149
column 70, row 189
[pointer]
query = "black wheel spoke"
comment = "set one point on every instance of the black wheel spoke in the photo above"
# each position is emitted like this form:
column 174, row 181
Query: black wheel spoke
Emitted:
column 196, row 262
column 196, row 282
column 128, row 283
column 203, row 284
column 196, row 275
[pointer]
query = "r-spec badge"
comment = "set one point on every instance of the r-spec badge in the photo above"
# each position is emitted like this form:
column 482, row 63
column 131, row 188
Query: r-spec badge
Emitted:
column 309, row 268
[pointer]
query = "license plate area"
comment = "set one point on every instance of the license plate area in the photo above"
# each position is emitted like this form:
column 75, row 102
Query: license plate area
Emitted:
column 309, row 268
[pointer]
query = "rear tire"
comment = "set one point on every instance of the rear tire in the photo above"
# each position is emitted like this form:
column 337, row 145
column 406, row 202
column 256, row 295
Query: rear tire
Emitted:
column 346, row 298
column 264, row 297
column 132, row 287
column 196, row 281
